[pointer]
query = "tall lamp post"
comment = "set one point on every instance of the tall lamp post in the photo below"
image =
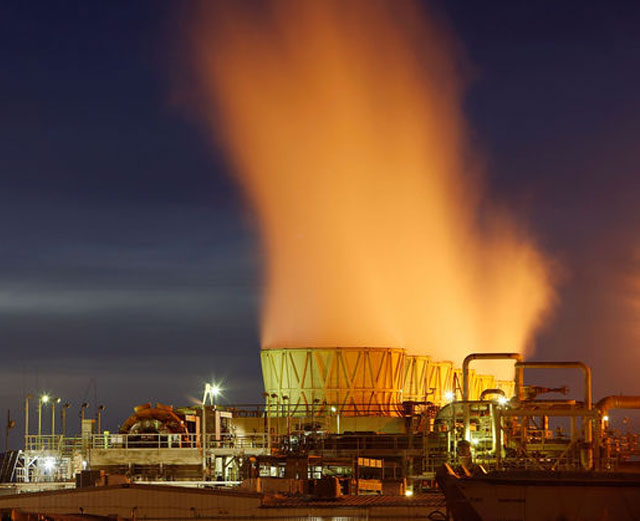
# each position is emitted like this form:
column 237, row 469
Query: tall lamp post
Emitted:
column 274, row 396
column 335, row 411
column 53, row 416
column 267, row 419
column 101, row 409
column 26, row 420
column 63, row 414
column 86, row 436
column 43, row 399
column 82, row 408
column 10, row 425
column 211, row 391
column 285, row 397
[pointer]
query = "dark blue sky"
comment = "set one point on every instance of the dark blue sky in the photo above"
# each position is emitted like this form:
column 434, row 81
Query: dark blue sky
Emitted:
column 130, row 271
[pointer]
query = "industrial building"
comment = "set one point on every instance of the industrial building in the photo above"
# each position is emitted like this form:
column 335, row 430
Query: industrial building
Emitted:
column 335, row 406
column 335, row 422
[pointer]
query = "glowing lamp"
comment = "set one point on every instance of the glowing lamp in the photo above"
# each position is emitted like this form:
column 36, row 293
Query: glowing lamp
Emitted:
column 49, row 464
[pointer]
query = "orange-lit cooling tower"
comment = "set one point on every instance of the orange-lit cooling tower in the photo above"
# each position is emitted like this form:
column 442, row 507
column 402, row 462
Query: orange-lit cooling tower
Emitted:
column 360, row 381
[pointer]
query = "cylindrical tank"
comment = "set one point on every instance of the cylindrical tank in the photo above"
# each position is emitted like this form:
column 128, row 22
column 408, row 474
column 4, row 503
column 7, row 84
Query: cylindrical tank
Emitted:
column 356, row 381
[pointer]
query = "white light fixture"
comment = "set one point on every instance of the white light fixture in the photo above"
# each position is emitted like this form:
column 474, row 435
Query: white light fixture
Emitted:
column 605, row 418
column 211, row 392
column 44, row 398
column 449, row 396
column 49, row 464
column 408, row 492
column 503, row 400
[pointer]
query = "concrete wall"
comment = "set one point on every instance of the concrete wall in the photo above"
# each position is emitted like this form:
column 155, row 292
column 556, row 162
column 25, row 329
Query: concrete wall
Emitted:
column 160, row 503
column 141, row 501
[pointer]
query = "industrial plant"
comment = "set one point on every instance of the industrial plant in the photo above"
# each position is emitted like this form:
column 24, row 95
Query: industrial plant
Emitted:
column 336, row 423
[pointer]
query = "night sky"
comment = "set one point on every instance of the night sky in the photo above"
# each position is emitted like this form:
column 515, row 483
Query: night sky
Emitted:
column 129, row 268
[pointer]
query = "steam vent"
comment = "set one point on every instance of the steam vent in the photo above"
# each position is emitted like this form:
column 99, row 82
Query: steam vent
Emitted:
column 360, row 381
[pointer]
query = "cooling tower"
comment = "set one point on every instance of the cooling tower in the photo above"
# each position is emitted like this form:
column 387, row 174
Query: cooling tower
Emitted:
column 427, row 380
column 360, row 381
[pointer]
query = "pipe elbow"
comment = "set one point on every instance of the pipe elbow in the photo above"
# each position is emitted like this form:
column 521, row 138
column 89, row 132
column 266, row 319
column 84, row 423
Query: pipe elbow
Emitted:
column 619, row 401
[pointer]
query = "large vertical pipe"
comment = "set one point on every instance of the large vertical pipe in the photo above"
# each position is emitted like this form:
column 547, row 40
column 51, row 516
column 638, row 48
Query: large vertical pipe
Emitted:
column 465, row 379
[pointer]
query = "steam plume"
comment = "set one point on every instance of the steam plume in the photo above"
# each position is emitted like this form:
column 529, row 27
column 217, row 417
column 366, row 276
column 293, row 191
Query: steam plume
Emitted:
column 343, row 123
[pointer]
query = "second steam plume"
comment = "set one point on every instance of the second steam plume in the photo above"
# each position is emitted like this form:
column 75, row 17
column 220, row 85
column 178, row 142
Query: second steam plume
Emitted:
column 343, row 124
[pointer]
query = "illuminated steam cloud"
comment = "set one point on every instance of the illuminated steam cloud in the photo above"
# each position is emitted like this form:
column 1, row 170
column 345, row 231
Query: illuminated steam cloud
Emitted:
column 344, row 126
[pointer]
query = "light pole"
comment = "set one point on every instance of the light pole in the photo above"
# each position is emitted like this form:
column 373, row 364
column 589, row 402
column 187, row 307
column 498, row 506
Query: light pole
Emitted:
column 43, row 399
column 83, row 434
column 10, row 425
column 53, row 416
column 211, row 391
column 267, row 419
column 275, row 397
column 26, row 419
column 337, row 413
column 82, row 408
column 215, row 391
column 285, row 397
column 101, row 409
column 63, row 414
column 204, row 428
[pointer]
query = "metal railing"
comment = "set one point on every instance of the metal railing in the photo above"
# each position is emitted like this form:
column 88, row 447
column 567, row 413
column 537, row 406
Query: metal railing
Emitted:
column 65, row 445
column 55, row 443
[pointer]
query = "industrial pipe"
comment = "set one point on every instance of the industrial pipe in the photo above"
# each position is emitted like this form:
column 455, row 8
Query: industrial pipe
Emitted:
column 604, row 406
column 484, row 393
column 564, row 365
column 465, row 379
column 586, row 418
column 488, row 356
column 617, row 402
